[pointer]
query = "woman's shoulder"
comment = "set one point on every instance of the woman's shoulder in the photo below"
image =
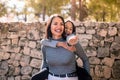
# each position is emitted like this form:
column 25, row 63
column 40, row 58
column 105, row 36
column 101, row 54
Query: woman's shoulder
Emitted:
column 44, row 40
column 43, row 47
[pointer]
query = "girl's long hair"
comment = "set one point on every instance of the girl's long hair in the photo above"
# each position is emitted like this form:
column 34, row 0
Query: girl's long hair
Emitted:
column 73, row 26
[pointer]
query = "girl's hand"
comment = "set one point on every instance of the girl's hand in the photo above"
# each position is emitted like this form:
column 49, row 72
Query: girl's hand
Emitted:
column 71, row 48
column 65, row 45
column 72, row 39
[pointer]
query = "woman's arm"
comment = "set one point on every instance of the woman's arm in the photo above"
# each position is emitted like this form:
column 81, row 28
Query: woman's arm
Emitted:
column 44, row 63
column 80, row 52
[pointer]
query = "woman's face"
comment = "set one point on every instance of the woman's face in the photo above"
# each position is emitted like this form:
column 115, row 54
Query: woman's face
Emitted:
column 68, row 28
column 57, row 28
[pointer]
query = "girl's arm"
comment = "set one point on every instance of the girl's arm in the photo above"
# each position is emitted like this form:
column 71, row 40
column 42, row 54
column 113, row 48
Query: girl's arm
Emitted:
column 80, row 52
column 54, row 44
column 50, row 43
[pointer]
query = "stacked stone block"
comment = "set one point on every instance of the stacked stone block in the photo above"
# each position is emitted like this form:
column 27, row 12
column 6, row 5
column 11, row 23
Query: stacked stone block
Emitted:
column 20, row 49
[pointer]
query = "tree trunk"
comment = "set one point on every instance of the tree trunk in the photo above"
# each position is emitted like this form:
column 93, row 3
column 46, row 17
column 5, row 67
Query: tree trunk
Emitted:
column 80, row 11
column 25, row 19
column 103, row 16
column 44, row 12
column 73, row 9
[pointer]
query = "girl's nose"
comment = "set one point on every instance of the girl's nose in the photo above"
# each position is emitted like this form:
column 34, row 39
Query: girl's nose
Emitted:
column 68, row 30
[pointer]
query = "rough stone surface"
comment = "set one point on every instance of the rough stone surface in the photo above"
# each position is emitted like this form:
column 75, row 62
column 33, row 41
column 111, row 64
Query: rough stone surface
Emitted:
column 20, row 53
column 116, row 69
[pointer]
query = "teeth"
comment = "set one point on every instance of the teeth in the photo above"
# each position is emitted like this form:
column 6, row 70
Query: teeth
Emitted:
column 58, row 30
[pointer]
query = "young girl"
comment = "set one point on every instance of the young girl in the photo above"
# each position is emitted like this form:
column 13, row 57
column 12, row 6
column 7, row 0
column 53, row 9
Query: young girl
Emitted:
column 71, row 44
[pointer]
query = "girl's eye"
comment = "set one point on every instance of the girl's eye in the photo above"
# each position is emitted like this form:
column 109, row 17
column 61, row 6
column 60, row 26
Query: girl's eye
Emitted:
column 66, row 27
column 71, row 29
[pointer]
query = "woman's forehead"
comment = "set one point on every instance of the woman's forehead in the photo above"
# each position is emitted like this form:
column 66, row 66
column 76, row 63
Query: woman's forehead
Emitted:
column 57, row 19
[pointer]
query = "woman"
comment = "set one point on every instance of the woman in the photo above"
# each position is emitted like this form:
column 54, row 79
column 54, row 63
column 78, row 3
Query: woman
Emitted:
column 60, row 61
column 70, row 30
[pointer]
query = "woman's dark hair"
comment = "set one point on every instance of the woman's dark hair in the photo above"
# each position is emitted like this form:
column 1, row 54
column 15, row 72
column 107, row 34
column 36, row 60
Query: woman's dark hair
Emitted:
column 73, row 26
column 48, row 34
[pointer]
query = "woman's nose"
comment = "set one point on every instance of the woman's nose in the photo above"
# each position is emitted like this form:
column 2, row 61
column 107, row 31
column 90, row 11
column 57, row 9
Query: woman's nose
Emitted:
column 59, row 25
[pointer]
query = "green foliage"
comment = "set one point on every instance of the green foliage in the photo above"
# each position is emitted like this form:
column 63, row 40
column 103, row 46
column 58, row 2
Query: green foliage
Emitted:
column 104, row 10
column 3, row 10
column 99, row 10
column 51, row 6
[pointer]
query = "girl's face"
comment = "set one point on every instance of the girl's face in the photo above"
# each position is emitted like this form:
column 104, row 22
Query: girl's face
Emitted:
column 68, row 28
column 57, row 28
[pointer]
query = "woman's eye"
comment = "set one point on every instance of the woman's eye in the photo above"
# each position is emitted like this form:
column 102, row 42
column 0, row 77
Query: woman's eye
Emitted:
column 61, row 24
column 55, row 23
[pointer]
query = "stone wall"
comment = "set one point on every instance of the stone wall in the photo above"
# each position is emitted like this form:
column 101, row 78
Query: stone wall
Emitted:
column 20, row 53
